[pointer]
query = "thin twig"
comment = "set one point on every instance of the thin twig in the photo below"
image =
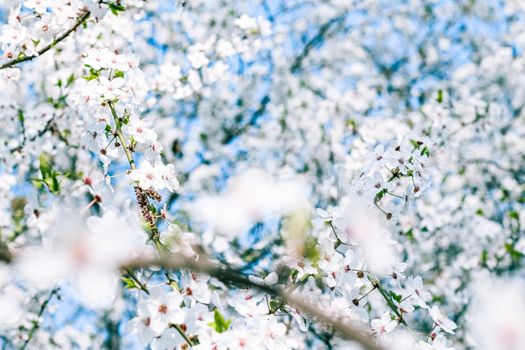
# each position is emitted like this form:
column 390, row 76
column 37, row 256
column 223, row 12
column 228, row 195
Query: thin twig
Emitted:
column 183, row 334
column 377, row 284
column 36, row 322
column 141, row 285
column 142, row 198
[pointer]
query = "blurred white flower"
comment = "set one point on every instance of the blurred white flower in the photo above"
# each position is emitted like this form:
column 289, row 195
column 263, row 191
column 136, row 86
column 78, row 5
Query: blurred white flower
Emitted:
column 88, row 254
column 362, row 226
column 496, row 316
column 11, row 311
column 250, row 197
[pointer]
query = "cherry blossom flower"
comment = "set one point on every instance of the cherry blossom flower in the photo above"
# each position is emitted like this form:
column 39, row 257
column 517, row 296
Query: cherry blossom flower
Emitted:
column 418, row 295
column 148, row 176
column 111, row 89
column 404, row 306
column 357, row 305
column 40, row 6
column 168, row 175
column 439, row 343
column 140, row 130
column 301, row 265
column 443, row 322
column 141, row 325
column 197, row 318
column 168, row 339
column 196, row 288
column 197, row 57
column 11, row 74
column 274, row 333
column 164, row 308
column 383, row 325
column 98, row 59
column 46, row 28
column 13, row 34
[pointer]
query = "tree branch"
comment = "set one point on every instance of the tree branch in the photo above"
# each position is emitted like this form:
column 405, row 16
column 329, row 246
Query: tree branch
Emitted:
column 316, row 40
column 36, row 321
column 231, row 276
column 46, row 48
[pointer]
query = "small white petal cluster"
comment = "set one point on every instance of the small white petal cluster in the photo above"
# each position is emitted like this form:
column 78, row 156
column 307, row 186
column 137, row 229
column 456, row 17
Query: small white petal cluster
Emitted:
column 158, row 176
column 114, row 79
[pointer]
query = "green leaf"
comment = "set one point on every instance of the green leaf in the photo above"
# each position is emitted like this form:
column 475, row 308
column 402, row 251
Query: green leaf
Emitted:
column 425, row 151
column 37, row 183
column 125, row 118
column 174, row 285
column 55, row 185
column 479, row 212
column 351, row 123
column 129, row 283
column 416, row 143
column 380, row 195
column 311, row 251
column 484, row 258
column 396, row 297
column 514, row 215
column 49, row 176
column 45, row 166
column 220, row 324
column 118, row 74
column 153, row 209
column 410, row 235
column 116, row 8
column 440, row 96
column 93, row 74
column 21, row 117
column 274, row 303
column 511, row 249
column 70, row 80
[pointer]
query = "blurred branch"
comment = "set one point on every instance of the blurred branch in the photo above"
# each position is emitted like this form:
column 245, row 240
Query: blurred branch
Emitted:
column 516, row 173
column 50, row 126
column 231, row 276
column 112, row 341
column 316, row 40
column 5, row 254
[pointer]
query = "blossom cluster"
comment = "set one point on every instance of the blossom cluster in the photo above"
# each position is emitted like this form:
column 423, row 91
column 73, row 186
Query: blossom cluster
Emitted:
column 262, row 175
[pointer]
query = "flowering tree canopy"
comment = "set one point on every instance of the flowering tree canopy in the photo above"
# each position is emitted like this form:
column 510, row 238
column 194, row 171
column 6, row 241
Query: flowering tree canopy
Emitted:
column 262, row 174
